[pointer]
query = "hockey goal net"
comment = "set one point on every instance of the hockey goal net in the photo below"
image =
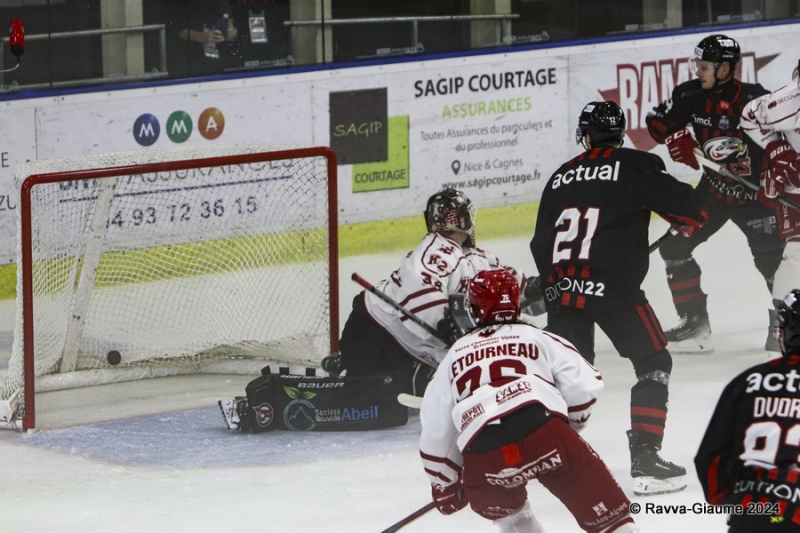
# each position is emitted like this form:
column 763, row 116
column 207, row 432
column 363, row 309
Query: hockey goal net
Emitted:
column 159, row 263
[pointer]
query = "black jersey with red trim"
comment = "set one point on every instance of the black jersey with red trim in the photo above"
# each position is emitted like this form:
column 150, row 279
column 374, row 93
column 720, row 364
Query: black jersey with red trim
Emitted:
column 591, row 239
column 714, row 117
column 749, row 453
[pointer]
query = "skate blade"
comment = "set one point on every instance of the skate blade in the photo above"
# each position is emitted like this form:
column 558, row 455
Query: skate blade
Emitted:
column 228, row 422
column 649, row 486
column 700, row 345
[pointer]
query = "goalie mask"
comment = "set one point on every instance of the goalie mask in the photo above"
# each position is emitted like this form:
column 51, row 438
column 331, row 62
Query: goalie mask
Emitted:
column 789, row 323
column 451, row 210
column 493, row 297
column 601, row 121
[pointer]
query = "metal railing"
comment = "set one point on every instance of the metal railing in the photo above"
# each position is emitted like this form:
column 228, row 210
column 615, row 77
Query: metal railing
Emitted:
column 162, row 73
column 504, row 19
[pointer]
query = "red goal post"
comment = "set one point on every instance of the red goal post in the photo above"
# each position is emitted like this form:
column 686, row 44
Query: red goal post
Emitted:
column 212, row 260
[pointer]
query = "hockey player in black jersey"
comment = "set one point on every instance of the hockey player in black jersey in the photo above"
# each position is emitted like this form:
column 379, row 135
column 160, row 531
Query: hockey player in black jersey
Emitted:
column 711, row 105
column 749, row 454
column 591, row 249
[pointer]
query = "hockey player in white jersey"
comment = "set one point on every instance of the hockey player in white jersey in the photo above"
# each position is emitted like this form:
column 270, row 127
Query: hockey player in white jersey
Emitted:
column 378, row 338
column 503, row 408
column 773, row 121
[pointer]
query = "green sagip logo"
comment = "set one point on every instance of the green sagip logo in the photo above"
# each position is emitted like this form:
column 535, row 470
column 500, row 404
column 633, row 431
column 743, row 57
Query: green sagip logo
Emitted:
column 179, row 126
column 299, row 413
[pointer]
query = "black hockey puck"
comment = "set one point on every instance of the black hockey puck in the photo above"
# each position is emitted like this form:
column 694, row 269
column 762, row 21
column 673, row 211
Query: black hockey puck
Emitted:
column 114, row 357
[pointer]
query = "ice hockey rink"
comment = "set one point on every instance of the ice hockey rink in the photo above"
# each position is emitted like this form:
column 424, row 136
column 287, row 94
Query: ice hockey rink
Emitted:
column 182, row 470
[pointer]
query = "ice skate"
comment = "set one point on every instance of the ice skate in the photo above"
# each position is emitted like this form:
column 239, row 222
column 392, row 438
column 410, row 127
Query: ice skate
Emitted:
column 691, row 335
column 651, row 474
column 229, row 409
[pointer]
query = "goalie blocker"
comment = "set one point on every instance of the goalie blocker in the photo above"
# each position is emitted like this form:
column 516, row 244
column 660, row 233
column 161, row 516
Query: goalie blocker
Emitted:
column 310, row 403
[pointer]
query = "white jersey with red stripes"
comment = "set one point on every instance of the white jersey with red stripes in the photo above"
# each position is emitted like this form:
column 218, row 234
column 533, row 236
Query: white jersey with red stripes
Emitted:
column 435, row 269
column 766, row 119
column 492, row 372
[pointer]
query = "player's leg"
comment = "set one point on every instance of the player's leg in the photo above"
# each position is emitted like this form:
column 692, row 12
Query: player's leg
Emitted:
column 575, row 326
column 637, row 335
column 759, row 223
column 367, row 349
column 693, row 332
column 581, row 480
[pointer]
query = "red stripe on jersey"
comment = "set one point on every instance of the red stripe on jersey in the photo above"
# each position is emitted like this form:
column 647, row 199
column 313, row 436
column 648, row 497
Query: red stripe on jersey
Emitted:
column 747, row 499
column 649, row 411
column 440, row 460
column 595, row 153
column 714, row 497
column 796, row 516
column 772, row 473
column 654, row 335
column 586, row 272
column 581, row 303
column 581, row 407
column 608, row 152
column 649, row 428
column 571, row 270
column 565, row 298
column 438, row 475
column 678, row 285
column 418, row 294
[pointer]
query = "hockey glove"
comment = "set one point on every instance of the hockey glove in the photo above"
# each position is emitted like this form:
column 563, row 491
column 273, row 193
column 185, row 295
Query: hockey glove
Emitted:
column 533, row 297
column 783, row 166
column 449, row 499
column 687, row 230
column 681, row 147
column 447, row 330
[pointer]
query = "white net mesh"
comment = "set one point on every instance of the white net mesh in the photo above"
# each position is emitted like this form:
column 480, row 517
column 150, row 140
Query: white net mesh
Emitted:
column 184, row 268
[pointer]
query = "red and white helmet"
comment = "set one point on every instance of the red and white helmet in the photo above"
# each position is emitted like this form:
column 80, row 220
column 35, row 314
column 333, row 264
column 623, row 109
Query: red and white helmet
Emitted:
column 493, row 297
column 451, row 210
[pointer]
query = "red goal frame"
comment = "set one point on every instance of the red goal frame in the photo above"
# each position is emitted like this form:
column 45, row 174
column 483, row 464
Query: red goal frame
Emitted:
column 28, row 420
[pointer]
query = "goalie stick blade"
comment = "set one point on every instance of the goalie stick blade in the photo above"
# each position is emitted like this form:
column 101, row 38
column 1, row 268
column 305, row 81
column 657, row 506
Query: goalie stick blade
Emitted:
column 414, row 402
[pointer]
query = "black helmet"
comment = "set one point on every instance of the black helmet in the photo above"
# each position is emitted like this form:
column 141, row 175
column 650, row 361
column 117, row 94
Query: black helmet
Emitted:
column 601, row 121
column 789, row 323
column 718, row 48
column 451, row 210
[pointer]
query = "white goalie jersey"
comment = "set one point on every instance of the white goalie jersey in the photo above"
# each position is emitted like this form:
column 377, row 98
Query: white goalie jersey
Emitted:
column 492, row 372
column 435, row 269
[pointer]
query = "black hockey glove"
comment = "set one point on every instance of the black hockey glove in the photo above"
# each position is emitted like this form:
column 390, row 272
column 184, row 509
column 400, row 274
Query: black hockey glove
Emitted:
column 532, row 297
column 447, row 330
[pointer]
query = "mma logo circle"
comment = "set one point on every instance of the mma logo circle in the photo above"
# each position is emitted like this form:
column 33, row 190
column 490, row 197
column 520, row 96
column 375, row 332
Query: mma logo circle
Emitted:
column 264, row 414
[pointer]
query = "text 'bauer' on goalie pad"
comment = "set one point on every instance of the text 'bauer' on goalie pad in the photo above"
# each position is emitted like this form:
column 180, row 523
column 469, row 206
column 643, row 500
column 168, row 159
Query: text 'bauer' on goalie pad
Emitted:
column 302, row 403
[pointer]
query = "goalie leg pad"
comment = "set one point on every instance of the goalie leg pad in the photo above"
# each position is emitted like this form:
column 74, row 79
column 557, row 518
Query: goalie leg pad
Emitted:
column 305, row 403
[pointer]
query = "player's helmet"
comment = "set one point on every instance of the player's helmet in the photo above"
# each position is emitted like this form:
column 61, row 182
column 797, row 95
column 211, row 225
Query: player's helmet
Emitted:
column 493, row 297
column 451, row 210
column 718, row 48
column 789, row 323
column 601, row 121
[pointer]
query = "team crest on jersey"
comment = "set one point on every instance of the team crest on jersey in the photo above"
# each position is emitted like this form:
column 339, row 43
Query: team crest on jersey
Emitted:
column 721, row 148
column 724, row 123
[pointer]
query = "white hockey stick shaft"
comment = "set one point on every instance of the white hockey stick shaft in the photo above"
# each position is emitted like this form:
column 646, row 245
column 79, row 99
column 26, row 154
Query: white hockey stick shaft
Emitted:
column 408, row 314
column 732, row 175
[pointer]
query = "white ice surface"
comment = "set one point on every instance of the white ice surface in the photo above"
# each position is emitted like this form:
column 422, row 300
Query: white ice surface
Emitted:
column 182, row 471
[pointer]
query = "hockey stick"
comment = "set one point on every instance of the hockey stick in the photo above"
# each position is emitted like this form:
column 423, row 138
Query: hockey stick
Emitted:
column 736, row 177
column 658, row 242
column 409, row 400
column 408, row 314
column 410, row 518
